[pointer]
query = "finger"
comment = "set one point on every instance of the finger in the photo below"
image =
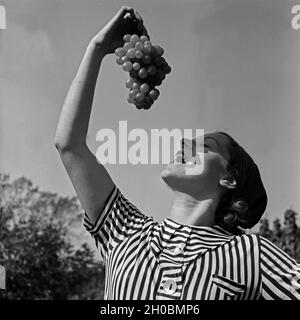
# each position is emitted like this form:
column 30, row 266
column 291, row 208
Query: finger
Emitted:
column 124, row 9
column 138, row 16
column 141, row 28
column 122, row 12
column 145, row 32
column 119, row 16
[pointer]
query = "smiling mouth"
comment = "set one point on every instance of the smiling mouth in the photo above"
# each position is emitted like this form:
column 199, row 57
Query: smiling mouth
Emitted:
column 179, row 158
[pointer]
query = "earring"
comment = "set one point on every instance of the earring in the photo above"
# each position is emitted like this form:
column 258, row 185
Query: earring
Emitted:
column 228, row 183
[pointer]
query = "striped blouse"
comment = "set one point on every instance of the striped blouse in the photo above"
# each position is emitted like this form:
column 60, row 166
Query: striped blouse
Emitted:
column 155, row 261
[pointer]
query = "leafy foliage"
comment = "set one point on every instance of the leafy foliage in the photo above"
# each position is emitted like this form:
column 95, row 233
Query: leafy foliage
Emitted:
column 38, row 245
column 286, row 237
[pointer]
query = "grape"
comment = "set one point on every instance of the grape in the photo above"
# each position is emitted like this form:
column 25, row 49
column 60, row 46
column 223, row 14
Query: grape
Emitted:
column 148, row 99
column 136, row 66
column 153, row 52
column 148, row 43
column 160, row 74
column 167, row 69
column 138, row 54
column 136, row 85
column 127, row 37
column 163, row 77
column 151, row 70
column 144, row 88
column 127, row 66
column 147, row 49
column 154, row 94
column 157, row 82
column 119, row 60
column 119, row 52
column 143, row 73
column 130, row 99
column 147, row 106
column 150, row 80
column 146, row 59
column 159, row 50
column 158, row 61
column 134, row 38
column 138, row 102
column 127, row 46
column 144, row 38
column 139, row 45
column 130, row 53
column 164, row 64
column 139, row 97
column 123, row 59
column 129, row 83
column 133, row 93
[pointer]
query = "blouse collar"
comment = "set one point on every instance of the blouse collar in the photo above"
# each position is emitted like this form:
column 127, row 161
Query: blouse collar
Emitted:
column 201, row 230
column 193, row 240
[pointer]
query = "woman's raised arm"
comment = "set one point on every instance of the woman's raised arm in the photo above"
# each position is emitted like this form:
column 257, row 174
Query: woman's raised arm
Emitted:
column 91, row 181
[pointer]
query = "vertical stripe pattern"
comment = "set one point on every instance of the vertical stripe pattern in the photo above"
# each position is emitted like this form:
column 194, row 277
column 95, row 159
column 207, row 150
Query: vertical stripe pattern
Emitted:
column 171, row 261
column 280, row 273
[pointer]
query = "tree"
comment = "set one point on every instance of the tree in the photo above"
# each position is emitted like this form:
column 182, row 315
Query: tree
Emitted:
column 39, row 249
column 291, row 234
column 276, row 237
column 288, row 237
column 264, row 229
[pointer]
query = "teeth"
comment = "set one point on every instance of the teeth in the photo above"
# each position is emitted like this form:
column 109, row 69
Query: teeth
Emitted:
column 179, row 158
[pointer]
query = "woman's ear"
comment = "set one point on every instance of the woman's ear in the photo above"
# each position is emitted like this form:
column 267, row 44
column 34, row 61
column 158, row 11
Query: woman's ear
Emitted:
column 228, row 182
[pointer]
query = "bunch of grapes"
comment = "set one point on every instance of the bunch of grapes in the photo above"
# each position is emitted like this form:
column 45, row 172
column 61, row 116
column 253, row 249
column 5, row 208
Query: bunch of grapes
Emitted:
column 146, row 66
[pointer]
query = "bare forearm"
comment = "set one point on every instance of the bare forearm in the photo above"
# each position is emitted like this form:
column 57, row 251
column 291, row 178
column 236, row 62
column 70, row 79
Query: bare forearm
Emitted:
column 91, row 181
column 74, row 118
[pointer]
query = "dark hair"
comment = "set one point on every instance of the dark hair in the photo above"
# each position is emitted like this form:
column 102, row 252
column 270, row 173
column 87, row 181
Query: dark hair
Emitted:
column 231, row 211
column 243, row 206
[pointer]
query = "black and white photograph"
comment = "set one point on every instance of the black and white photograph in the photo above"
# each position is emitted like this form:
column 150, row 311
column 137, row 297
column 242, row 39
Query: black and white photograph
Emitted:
column 149, row 150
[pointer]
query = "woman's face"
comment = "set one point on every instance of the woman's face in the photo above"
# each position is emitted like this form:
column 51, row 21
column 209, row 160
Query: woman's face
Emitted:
column 199, row 175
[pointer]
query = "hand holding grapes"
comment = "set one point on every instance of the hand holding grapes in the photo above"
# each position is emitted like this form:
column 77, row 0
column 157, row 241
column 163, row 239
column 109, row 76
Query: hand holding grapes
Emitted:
column 126, row 20
column 126, row 36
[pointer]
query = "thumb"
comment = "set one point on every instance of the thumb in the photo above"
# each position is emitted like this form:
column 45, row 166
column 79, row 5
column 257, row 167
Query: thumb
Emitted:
column 115, row 20
column 122, row 12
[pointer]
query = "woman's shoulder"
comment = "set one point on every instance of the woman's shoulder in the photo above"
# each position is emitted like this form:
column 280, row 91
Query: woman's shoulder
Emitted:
column 266, row 246
column 247, row 239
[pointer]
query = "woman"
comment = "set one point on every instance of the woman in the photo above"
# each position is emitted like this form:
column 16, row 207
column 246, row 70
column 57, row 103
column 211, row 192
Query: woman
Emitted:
column 199, row 252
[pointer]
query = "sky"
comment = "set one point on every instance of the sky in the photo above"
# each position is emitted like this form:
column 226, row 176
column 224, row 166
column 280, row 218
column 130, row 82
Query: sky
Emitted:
column 235, row 67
